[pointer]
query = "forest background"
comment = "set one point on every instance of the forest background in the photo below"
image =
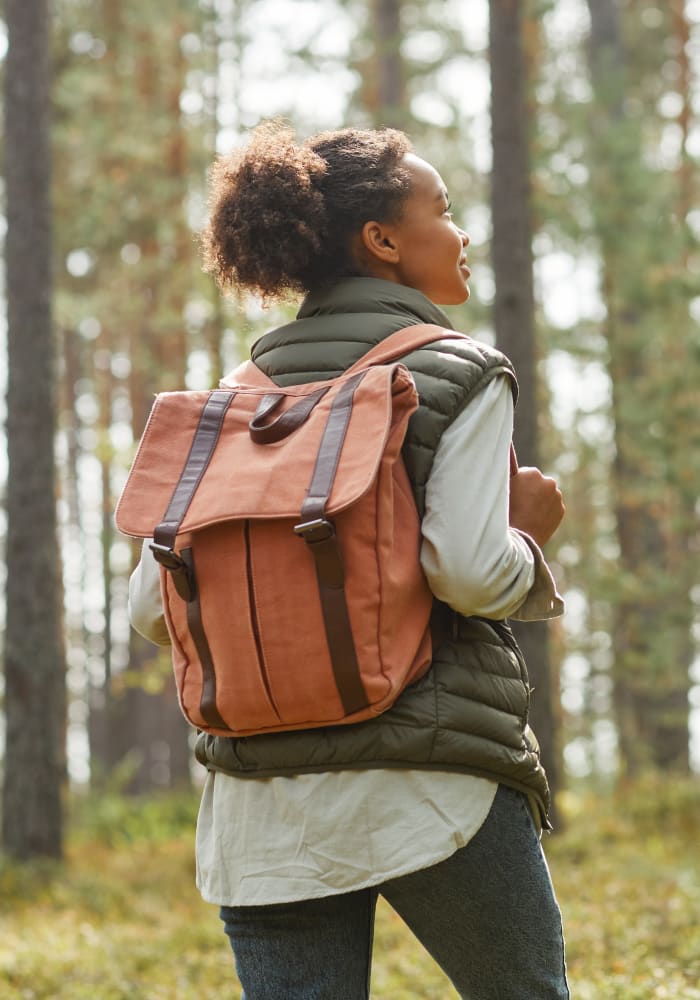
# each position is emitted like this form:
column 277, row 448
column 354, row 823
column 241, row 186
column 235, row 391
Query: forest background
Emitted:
column 568, row 136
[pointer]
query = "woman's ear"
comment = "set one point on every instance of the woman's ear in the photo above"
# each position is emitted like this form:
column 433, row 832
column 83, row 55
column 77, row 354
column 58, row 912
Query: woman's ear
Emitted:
column 378, row 241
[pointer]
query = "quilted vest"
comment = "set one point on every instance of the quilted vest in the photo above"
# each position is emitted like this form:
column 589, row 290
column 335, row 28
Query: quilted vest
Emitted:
column 469, row 712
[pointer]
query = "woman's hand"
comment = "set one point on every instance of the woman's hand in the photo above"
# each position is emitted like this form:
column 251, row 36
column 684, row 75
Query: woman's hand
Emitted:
column 536, row 505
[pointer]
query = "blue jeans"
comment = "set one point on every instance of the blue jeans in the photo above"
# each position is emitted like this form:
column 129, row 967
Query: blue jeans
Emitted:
column 487, row 915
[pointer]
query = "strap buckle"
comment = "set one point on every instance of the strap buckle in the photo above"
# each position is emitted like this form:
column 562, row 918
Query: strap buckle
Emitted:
column 318, row 530
column 167, row 557
column 182, row 571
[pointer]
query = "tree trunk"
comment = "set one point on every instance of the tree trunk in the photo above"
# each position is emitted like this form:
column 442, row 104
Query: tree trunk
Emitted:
column 652, row 614
column 514, row 302
column 383, row 88
column 391, row 89
column 34, row 655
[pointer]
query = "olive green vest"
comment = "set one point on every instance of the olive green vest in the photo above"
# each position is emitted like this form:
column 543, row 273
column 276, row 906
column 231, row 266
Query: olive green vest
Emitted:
column 469, row 712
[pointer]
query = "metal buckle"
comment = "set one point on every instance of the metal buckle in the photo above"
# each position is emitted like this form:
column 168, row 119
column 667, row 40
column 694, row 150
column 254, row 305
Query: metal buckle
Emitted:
column 167, row 557
column 319, row 530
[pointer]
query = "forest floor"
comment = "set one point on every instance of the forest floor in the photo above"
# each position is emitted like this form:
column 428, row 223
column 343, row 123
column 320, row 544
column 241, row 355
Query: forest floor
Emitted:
column 121, row 919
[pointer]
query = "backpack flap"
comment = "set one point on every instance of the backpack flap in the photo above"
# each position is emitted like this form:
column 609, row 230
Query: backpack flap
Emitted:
column 243, row 479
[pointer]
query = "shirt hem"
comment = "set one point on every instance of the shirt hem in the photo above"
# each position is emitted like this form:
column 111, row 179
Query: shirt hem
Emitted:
column 320, row 892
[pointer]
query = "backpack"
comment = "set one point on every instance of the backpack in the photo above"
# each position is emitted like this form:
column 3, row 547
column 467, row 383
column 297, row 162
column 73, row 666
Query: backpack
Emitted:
column 285, row 526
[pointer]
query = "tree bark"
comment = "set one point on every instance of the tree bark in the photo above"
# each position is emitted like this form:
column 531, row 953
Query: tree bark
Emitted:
column 652, row 613
column 384, row 85
column 513, row 312
column 34, row 654
column 391, row 89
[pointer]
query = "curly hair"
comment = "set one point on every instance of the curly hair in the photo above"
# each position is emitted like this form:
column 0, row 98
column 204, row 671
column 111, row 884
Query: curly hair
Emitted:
column 283, row 213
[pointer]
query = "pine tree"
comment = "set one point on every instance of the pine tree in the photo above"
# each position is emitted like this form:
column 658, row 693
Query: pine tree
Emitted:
column 650, row 365
column 385, row 89
column 514, row 318
column 34, row 655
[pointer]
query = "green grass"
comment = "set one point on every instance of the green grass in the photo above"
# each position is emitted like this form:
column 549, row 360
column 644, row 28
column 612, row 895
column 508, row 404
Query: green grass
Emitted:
column 121, row 919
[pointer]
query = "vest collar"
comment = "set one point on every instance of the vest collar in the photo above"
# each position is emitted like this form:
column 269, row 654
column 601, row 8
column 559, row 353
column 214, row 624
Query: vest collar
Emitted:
column 362, row 295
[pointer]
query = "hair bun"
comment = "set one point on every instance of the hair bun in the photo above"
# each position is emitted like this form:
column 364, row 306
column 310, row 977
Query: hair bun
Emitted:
column 282, row 212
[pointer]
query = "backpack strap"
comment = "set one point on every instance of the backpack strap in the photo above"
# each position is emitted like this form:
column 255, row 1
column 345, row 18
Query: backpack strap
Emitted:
column 404, row 341
column 410, row 338
column 204, row 442
column 319, row 534
column 181, row 565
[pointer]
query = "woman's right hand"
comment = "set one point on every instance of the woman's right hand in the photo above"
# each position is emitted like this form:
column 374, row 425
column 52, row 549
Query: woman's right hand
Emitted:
column 536, row 505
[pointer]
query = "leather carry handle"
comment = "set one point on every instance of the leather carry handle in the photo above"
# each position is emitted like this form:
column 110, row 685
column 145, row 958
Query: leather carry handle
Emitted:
column 287, row 422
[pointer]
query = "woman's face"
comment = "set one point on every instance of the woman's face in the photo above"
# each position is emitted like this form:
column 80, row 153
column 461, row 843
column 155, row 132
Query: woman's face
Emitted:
column 431, row 249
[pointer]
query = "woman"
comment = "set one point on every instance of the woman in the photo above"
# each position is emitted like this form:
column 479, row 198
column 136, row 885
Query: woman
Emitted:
column 438, row 803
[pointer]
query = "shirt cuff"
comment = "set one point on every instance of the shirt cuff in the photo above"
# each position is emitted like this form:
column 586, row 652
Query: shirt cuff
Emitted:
column 145, row 603
column 543, row 600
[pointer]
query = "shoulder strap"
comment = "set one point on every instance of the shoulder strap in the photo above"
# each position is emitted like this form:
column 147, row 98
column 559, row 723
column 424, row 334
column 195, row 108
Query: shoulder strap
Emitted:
column 247, row 373
column 402, row 342
column 391, row 348
column 410, row 338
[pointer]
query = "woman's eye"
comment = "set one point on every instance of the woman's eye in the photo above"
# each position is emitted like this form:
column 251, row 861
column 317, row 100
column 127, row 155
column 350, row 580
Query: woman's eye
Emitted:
column 448, row 210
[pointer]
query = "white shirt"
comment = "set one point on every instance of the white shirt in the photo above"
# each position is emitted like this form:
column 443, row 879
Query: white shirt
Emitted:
column 269, row 840
column 275, row 840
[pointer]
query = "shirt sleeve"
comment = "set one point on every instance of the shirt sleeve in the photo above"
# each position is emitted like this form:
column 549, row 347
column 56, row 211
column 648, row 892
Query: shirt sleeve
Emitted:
column 473, row 560
column 145, row 602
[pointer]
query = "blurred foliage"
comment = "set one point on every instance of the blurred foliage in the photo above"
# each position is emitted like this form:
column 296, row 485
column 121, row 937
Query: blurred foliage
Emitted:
column 112, row 819
column 627, row 878
column 123, row 921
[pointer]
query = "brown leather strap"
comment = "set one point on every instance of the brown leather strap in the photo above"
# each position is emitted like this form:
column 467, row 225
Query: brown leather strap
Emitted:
column 288, row 421
column 319, row 535
column 207, row 702
column 329, row 450
column 204, row 442
column 181, row 565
